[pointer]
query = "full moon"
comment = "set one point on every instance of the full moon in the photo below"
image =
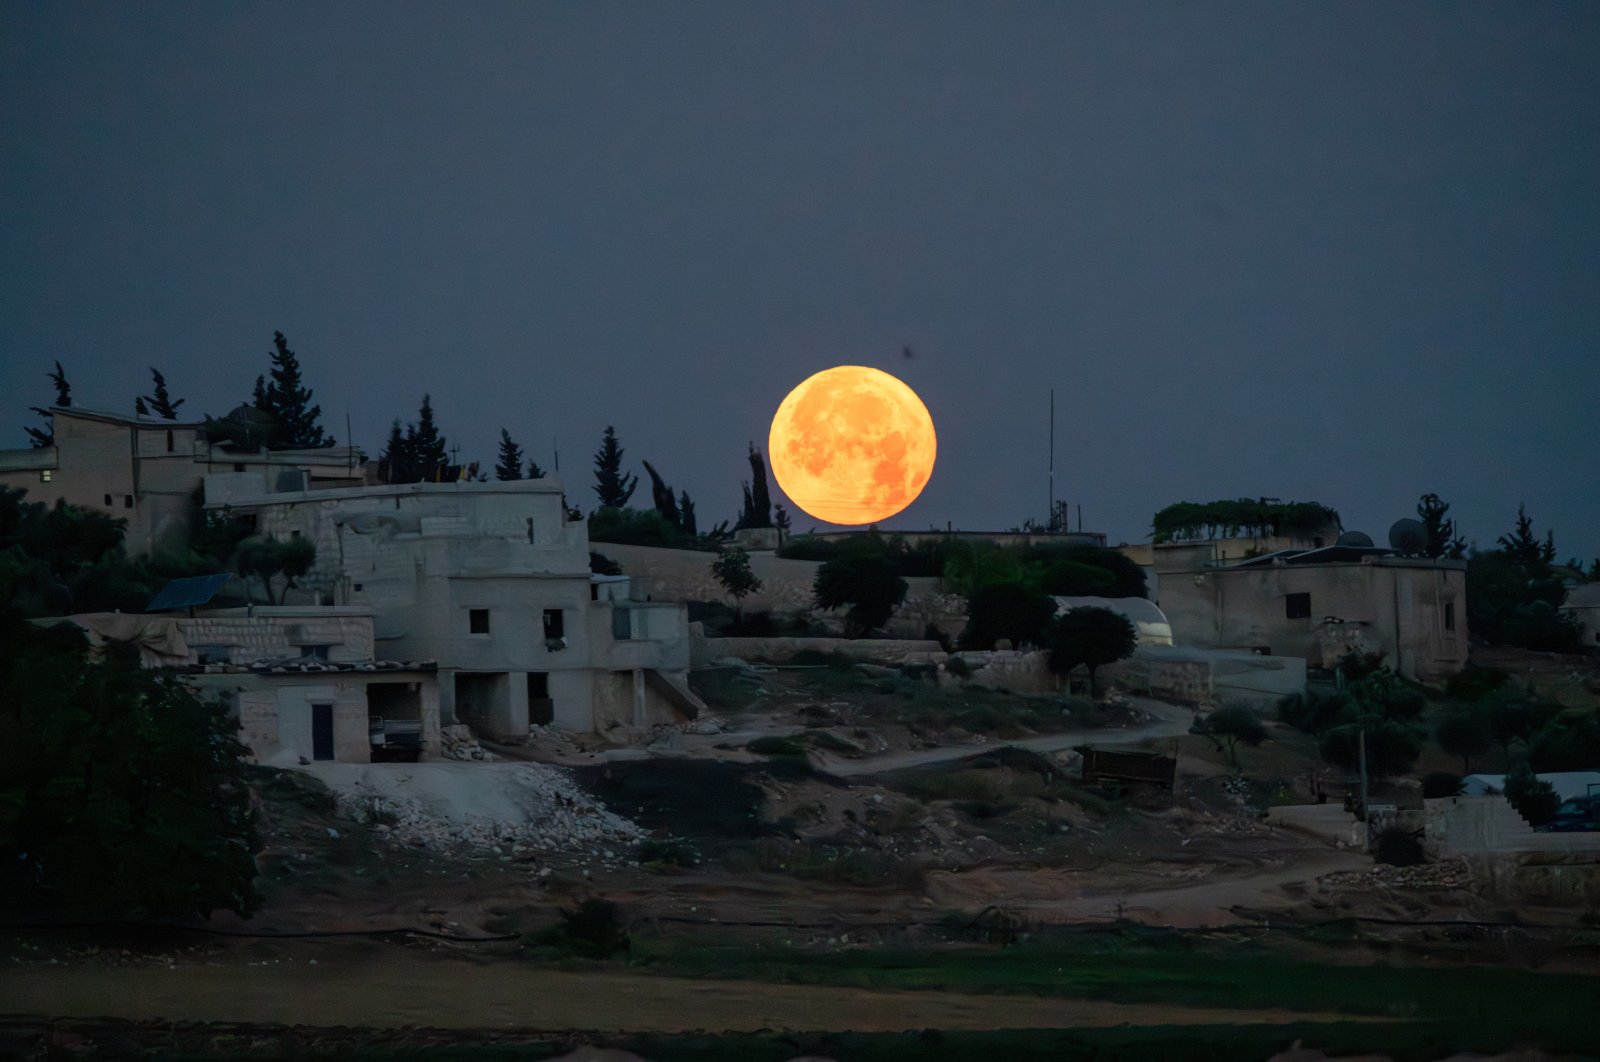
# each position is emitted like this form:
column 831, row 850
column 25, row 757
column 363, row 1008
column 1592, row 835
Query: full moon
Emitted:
column 852, row 445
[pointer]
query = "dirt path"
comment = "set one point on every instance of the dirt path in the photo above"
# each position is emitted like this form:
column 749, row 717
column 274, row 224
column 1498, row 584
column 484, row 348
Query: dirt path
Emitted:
column 1173, row 721
column 396, row 991
column 1076, row 896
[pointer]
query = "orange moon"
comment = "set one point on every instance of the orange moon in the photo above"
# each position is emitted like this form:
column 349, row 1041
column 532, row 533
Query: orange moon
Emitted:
column 852, row 445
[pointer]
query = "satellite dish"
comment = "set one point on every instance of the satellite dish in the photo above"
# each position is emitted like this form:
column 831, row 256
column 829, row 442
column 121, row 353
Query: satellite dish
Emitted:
column 1408, row 536
column 1353, row 538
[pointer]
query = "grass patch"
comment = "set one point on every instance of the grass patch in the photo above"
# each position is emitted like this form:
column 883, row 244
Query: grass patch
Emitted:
column 1497, row 1006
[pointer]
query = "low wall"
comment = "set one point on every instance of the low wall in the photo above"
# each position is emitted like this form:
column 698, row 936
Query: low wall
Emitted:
column 890, row 652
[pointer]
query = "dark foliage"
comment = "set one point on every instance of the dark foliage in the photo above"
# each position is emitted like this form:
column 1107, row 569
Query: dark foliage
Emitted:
column 509, row 464
column 1399, row 848
column 1569, row 741
column 1189, row 521
column 41, row 437
column 1474, row 681
column 1437, row 784
column 1386, row 709
column 1228, row 726
column 1313, row 712
column 1012, row 611
column 666, row 502
column 732, row 571
column 600, row 564
column 594, row 930
column 266, row 559
column 1534, row 799
column 642, row 527
column 1089, row 636
column 757, row 510
column 864, row 579
column 611, row 485
column 121, row 793
column 1085, row 571
column 1464, row 731
column 1513, row 596
column 288, row 402
column 1439, row 532
column 159, row 401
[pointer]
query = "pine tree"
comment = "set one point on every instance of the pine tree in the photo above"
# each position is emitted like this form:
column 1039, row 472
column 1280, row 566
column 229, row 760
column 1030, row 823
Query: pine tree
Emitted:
column 289, row 402
column 258, row 398
column 780, row 518
column 1439, row 531
column 686, row 514
column 534, row 471
column 428, row 452
column 139, row 406
column 159, row 401
column 611, row 485
column 46, row 436
column 510, row 463
column 1522, row 545
column 661, row 494
column 396, row 465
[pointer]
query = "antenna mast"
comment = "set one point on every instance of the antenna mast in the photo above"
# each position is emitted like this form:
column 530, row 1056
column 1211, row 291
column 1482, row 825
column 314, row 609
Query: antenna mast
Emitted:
column 1050, row 513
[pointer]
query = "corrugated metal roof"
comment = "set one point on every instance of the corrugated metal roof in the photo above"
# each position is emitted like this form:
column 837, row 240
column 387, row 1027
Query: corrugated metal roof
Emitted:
column 187, row 593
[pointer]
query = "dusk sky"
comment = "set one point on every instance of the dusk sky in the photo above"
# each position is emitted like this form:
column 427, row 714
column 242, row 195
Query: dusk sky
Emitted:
column 1343, row 252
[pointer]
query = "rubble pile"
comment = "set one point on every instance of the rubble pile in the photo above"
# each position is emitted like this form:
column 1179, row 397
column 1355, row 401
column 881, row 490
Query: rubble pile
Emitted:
column 1449, row 874
column 459, row 743
column 500, row 809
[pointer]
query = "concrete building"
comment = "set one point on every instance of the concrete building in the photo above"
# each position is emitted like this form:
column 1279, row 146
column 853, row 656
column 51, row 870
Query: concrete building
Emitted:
column 302, row 681
column 1320, row 604
column 1583, row 605
column 491, row 580
column 148, row 471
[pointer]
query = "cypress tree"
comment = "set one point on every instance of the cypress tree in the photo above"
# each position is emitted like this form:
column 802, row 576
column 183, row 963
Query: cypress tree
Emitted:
column 46, row 436
column 534, row 471
column 159, row 401
column 396, row 460
column 289, row 402
column 661, row 494
column 686, row 514
column 428, row 452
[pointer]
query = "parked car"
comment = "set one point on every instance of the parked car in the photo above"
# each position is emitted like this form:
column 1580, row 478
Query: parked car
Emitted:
column 1579, row 813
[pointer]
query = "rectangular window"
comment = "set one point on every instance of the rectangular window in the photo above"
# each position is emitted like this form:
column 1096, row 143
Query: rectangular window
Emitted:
column 45, row 475
column 478, row 620
column 314, row 652
column 555, row 629
column 108, row 501
column 1297, row 606
column 622, row 624
column 127, row 501
column 210, row 654
column 169, row 441
column 1449, row 615
column 238, row 467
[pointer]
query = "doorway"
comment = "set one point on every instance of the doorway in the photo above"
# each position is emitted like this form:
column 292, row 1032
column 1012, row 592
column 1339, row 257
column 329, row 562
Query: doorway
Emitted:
column 322, row 731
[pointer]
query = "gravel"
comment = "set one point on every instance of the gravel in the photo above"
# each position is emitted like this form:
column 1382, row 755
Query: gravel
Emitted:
column 502, row 809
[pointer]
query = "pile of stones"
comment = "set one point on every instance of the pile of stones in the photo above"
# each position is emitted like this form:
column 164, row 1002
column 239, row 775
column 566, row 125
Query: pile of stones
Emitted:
column 459, row 743
column 1449, row 874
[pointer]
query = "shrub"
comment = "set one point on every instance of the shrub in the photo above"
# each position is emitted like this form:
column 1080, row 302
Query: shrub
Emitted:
column 593, row 931
column 1473, row 681
column 773, row 745
column 1313, row 712
column 1535, row 800
column 864, row 579
column 668, row 852
column 1089, row 636
column 1006, row 610
column 958, row 667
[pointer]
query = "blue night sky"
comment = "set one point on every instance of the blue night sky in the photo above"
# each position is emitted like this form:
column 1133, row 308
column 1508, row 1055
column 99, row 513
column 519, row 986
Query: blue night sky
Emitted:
column 1347, row 252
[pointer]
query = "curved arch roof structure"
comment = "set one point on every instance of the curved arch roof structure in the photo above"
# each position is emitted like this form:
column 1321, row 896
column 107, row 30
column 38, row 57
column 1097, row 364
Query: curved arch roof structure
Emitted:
column 1146, row 616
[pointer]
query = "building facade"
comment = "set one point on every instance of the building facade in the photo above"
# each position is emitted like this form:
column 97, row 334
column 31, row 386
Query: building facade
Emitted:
column 1320, row 604
column 492, row 581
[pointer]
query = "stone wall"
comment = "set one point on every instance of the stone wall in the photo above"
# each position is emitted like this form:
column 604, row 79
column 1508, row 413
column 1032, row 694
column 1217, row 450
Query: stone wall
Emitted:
column 890, row 652
column 1484, row 824
column 279, row 633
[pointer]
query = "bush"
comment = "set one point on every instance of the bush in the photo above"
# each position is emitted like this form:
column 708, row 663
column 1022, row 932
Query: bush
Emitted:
column 1535, row 800
column 1089, row 636
column 593, row 931
column 1006, row 610
column 1473, row 682
column 668, row 852
column 1441, row 784
column 958, row 667
column 773, row 745
column 1313, row 712
column 864, row 579
column 641, row 527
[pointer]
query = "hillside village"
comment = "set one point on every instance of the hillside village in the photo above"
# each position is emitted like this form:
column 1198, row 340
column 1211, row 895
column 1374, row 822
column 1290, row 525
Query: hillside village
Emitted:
column 467, row 709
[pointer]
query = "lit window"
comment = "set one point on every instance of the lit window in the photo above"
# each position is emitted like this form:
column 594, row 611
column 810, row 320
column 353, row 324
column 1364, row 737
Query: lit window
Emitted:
column 46, row 475
column 478, row 620
column 1297, row 606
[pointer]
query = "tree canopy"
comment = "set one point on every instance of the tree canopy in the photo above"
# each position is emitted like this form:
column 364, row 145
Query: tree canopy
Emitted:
column 288, row 402
column 757, row 509
column 509, row 465
column 864, row 579
column 1090, row 636
column 159, row 402
column 39, row 438
column 1258, row 518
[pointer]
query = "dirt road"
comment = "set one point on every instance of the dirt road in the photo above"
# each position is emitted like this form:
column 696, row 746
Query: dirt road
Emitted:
column 397, row 991
column 1172, row 721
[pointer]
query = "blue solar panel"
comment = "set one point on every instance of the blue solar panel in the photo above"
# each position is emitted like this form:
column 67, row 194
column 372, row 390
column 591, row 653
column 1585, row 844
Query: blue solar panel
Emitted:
column 187, row 593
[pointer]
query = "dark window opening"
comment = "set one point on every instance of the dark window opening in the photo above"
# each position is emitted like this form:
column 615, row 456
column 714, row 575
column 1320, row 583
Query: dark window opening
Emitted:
column 594, row 591
column 1297, row 606
column 1316, row 543
column 1449, row 615
column 622, row 624
column 478, row 620
column 357, row 588
column 555, row 629
column 530, row 530
column 314, row 652
column 127, row 501
column 169, row 441
column 108, row 500
column 238, row 467
column 211, row 654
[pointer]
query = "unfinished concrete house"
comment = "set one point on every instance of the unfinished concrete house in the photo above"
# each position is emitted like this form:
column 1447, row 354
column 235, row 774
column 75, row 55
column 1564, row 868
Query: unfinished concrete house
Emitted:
column 302, row 680
column 148, row 471
column 492, row 581
column 1319, row 604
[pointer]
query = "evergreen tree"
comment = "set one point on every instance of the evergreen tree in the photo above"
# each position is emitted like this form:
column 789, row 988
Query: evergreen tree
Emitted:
column 661, row 494
column 159, row 401
column 732, row 570
column 139, row 406
column 534, row 471
column 510, row 463
column 428, row 452
column 686, row 514
column 289, row 402
column 757, row 501
column 780, row 518
column 46, row 436
column 611, row 485
column 258, row 397
column 396, row 466
column 1522, row 545
column 1439, row 530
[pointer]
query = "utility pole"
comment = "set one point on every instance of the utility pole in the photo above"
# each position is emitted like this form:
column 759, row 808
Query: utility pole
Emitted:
column 1050, row 512
column 1366, row 815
